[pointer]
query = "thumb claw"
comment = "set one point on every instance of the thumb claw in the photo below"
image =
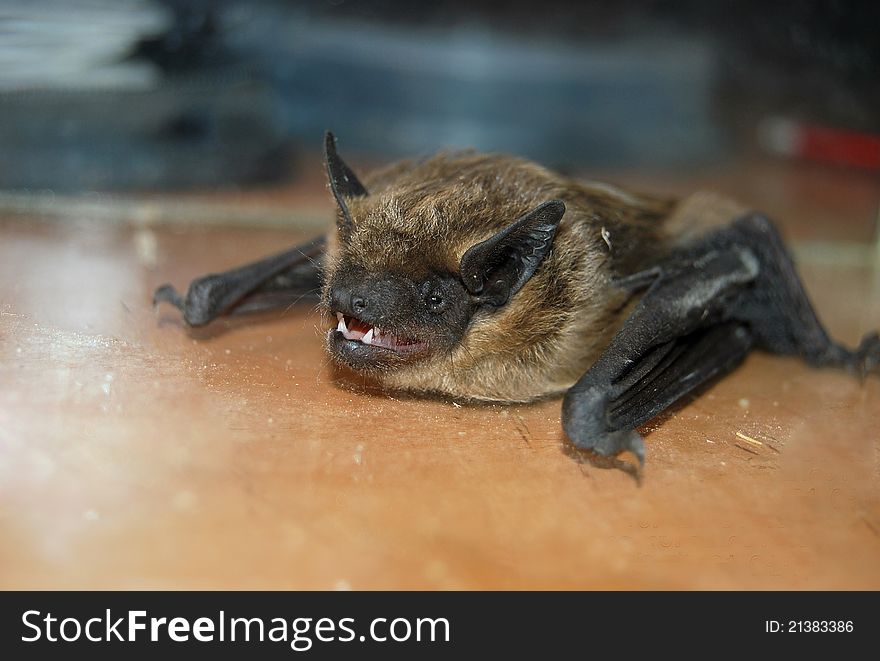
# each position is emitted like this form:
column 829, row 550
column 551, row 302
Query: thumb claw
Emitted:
column 614, row 443
column 168, row 294
column 868, row 353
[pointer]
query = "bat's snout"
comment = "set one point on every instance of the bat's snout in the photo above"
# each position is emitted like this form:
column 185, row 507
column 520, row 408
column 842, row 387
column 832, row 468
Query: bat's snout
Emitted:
column 382, row 301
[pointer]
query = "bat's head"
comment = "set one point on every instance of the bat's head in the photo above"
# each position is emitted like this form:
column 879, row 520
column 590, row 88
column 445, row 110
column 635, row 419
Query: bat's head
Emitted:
column 413, row 265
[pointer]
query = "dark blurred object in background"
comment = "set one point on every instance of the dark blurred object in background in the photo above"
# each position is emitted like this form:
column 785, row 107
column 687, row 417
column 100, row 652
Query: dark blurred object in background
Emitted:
column 135, row 94
column 130, row 94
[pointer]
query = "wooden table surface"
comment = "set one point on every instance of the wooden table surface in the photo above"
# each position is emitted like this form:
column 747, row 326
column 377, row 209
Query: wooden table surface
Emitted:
column 137, row 454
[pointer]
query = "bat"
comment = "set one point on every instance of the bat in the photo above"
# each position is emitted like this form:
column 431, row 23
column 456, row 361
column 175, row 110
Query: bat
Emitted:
column 488, row 277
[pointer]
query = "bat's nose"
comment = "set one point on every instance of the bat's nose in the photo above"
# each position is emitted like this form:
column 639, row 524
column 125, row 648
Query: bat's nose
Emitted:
column 341, row 299
column 354, row 302
column 358, row 305
column 373, row 300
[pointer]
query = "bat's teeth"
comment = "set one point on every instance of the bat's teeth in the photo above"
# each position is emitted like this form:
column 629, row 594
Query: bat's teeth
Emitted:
column 340, row 316
column 368, row 338
column 342, row 328
column 377, row 333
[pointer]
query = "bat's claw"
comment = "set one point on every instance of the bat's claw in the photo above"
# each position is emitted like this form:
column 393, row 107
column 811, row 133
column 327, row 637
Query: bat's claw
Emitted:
column 867, row 356
column 625, row 440
column 168, row 294
column 202, row 300
column 583, row 415
column 861, row 361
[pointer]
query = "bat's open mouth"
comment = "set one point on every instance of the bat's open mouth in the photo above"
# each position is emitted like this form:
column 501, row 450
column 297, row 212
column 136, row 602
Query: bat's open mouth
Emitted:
column 355, row 330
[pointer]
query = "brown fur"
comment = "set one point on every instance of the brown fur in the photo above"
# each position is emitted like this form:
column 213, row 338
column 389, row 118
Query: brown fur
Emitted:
column 425, row 214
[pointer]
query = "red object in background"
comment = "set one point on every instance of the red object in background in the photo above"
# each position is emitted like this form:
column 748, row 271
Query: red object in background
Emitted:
column 820, row 143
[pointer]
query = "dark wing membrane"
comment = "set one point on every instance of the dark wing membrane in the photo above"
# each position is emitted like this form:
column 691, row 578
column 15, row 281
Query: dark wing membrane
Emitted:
column 678, row 336
column 674, row 369
column 270, row 283
column 704, row 309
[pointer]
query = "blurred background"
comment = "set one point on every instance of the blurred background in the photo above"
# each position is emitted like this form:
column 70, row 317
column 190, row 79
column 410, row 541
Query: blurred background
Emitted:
column 179, row 111
column 116, row 95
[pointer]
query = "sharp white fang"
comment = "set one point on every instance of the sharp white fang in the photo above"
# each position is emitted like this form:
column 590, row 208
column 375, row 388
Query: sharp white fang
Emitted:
column 342, row 328
column 368, row 338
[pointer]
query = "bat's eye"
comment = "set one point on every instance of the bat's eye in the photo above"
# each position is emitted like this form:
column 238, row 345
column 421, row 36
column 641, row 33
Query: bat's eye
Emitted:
column 435, row 302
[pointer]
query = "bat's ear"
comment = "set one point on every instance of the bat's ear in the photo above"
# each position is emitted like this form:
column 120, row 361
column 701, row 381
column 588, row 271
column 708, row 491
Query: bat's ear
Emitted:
column 343, row 181
column 495, row 269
